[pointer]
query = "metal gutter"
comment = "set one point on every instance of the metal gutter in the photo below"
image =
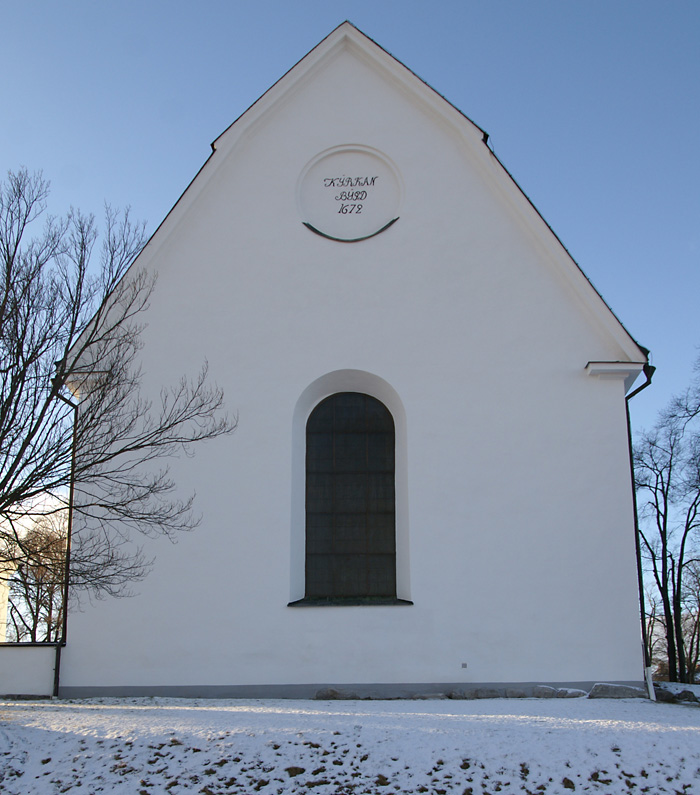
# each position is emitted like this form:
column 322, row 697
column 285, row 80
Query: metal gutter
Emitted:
column 69, row 534
column 649, row 373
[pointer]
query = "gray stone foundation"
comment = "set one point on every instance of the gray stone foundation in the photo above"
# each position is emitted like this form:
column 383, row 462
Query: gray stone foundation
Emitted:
column 334, row 692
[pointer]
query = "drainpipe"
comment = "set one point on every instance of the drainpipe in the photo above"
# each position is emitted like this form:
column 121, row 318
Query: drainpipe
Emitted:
column 648, row 372
column 69, row 534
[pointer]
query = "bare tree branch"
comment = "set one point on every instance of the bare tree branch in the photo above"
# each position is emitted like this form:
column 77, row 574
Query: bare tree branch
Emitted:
column 667, row 475
column 71, row 304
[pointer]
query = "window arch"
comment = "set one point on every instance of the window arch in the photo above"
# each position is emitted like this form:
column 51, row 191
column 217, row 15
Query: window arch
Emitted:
column 350, row 501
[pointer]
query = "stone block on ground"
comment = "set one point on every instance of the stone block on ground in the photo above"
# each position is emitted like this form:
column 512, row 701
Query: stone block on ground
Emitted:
column 331, row 694
column 663, row 695
column 570, row 692
column 487, row 692
column 543, row 691
column 604, row 690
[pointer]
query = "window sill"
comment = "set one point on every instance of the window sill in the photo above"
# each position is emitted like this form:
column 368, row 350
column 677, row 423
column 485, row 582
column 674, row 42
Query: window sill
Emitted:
column 349, row 601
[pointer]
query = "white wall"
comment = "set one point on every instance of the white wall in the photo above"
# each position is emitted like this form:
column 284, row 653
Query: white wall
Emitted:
column 27, row 669
column 516, row 509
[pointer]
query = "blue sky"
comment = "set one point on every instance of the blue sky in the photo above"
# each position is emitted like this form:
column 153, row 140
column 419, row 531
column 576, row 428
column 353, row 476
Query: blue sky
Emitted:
column 592, row 105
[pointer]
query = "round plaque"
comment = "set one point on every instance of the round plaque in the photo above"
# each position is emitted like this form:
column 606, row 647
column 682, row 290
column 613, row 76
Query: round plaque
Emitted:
column 349, row 193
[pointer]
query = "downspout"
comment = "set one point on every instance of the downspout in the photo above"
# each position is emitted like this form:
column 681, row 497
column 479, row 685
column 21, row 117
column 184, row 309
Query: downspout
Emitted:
column 648, row 372
column 69, row 535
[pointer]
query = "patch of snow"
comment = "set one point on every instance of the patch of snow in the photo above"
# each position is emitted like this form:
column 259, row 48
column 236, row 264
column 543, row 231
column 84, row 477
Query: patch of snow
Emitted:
column 211, row 747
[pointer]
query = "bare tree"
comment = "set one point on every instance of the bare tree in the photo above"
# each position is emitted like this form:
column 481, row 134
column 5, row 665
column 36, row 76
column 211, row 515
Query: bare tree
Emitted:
column 36, row 587
column 73, row 424
column 691, row 621
column 655, row 634
column 667, row 474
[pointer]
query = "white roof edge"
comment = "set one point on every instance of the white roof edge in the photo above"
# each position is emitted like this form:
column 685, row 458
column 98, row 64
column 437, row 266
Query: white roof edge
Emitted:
column 628, row 370
column 346, row 34
column 585, row 288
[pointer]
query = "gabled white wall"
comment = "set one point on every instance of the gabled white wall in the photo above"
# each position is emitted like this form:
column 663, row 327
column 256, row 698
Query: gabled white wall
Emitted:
column 519, row 553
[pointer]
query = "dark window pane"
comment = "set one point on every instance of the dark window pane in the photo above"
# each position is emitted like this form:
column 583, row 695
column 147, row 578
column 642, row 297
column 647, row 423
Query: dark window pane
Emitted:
column 378, row 417
column 380, row 492
column 319, row 492
column 380, row 452
column 350, row 575
column 320, row 532
column 350, row 514
column 349, row 412
column 381, row 533
column 321, row 418
column 381, row 575
column 319, row 575
column 350, row 492
column 319, row 452
column 350, row 533
column 350, row 452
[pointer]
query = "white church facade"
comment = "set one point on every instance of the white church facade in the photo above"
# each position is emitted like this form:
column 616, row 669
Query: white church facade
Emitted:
column 429, row 486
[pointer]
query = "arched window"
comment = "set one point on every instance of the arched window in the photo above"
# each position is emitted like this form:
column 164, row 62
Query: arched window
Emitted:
column 350, row 500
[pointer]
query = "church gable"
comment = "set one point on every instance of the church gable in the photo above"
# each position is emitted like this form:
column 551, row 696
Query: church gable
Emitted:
column 431, row 446
column 350, row 145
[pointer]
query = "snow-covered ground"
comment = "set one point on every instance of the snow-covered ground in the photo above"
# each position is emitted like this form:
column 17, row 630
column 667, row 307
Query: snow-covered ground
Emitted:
column 172, row 746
